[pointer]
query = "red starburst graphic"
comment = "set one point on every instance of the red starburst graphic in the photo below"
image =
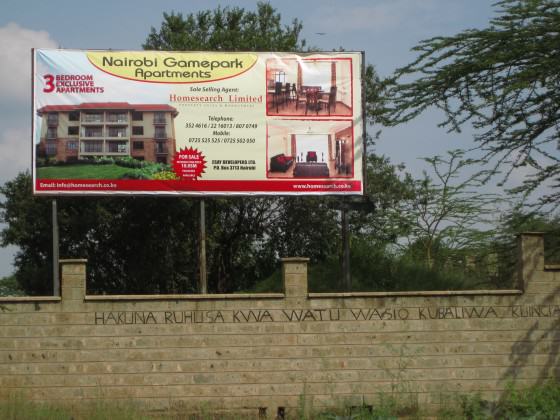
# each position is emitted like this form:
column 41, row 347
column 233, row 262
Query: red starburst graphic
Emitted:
column 189, row 163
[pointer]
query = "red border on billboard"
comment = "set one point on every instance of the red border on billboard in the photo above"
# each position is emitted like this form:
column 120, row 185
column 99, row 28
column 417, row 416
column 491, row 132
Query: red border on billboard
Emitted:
column 349, row 181
column 104, row 186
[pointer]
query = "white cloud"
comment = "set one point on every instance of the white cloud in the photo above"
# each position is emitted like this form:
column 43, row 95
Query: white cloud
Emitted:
column 15, row 87
column 15, row 55
column 15, row 149
column 15, row 84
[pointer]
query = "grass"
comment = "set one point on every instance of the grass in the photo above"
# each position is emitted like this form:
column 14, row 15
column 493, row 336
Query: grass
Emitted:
column 81, row 171
column 18, row 408
column 539, row 402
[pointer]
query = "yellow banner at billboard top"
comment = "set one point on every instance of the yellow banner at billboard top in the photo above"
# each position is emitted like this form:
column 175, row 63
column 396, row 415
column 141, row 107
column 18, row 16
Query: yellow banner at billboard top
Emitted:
column 167, row 67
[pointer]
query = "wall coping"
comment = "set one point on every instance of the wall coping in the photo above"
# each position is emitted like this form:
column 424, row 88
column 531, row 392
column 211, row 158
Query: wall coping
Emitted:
column 439, row 293
column 552, row 267
column 6, row 299
column 253, row 296
column 294, row 259
column 73, row 261
column 232, row 296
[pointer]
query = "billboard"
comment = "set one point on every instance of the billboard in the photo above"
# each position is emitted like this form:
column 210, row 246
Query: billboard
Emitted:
column 197, row 123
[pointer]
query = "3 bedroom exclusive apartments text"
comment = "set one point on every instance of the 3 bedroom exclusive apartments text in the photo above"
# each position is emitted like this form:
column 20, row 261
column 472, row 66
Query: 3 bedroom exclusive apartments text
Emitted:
column 112, row 129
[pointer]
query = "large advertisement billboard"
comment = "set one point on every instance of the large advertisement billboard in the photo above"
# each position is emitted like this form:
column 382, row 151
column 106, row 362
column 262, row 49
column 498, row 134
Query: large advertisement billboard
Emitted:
column 197, row 123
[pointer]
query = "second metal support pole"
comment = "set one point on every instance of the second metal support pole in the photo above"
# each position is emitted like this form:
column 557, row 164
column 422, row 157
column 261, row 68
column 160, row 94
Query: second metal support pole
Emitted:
column 346, row 276
column 56, row 276
column 202, row 262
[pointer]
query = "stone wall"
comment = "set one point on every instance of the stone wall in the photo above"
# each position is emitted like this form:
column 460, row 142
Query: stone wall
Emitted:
column 245, row 352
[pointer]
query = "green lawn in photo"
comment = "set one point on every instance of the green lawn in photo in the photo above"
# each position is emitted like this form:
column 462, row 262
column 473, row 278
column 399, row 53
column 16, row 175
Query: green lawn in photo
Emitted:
column 81, row 171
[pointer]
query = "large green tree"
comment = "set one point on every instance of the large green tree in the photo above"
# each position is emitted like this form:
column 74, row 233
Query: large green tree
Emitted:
column 278, row 227
column 238, row 228
column 134, row 245
column 504, row 80
column 227, row 29
column 143, row 245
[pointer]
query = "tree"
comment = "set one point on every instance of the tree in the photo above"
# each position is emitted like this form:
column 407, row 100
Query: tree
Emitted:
column 134, row 245
column 239, row 228
column 444, row 213
column 504, row 80
column 377, row 227
column 293, row 226
column 149, row 245
column 388, row 188
column 227, row 29
column 26, row 218
column 9, row 287
column 238, row 232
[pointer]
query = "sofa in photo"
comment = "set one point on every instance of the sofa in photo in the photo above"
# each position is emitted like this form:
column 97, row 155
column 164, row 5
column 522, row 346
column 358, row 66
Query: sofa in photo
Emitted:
column 280, row 163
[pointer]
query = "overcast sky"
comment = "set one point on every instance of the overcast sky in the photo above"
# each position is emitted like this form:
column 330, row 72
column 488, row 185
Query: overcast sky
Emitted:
column 385, row 29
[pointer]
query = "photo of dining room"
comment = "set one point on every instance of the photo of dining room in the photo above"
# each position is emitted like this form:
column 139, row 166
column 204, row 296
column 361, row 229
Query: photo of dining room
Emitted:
column 312, row 88
column 298, row 149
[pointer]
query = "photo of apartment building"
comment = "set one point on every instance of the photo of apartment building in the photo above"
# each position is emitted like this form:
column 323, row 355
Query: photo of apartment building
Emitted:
column 110, row 129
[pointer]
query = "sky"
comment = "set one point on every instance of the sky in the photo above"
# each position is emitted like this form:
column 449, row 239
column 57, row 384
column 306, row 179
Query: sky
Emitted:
column 385, row 29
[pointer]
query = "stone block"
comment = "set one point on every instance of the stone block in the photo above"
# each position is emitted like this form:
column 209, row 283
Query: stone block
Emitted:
column 73, row 293
column 530, row 257
column 77, row 267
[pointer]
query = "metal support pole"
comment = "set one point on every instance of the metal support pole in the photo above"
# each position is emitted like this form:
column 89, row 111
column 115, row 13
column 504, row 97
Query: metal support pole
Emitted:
column 56, row 275
column 346, row 278
column 202, row 262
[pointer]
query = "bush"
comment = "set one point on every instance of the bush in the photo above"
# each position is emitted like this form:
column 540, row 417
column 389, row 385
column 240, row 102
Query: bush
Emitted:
column 130, row 162
column 538, row 402
column 103, row 160
column 145, row 170
column 134, row 175
column 165, row 175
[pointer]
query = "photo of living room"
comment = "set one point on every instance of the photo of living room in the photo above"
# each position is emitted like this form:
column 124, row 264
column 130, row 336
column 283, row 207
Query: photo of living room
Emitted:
column 298, row 149
column 312, row 88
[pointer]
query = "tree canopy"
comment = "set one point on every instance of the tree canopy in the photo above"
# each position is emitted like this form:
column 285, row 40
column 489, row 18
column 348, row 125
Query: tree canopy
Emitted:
column 504, row 80
column 228, row 29
column 147, row 245
column 447, row 208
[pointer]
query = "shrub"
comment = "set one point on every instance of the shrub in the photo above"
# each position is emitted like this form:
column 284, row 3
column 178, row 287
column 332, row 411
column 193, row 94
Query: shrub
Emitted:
column 537, row 402
column 134, row 175
column 103, row 160
column 130, row 162
column 165, row 175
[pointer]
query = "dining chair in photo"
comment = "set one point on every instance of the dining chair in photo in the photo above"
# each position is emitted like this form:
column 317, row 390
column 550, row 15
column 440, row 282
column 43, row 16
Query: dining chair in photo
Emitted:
column 329, row 100
column 293, row 92
column 312, row 104
column 287, row 91
column 301, row 98
column 278, row 95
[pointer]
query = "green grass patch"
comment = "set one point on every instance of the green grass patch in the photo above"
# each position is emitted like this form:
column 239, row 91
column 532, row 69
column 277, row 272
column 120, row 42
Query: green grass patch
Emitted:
column 539, row 402
column 19, row 408
column 81, row 171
